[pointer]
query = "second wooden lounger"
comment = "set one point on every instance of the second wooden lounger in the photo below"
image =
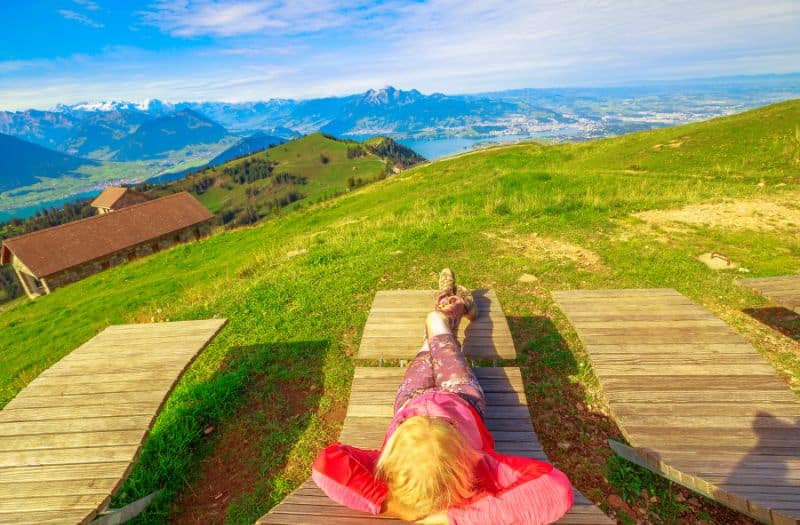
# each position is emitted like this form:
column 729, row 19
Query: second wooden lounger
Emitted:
column 698, row 403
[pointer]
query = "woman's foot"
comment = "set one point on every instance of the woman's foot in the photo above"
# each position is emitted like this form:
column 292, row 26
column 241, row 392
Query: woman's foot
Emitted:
column 447, row 283
column 453, row 309
column 470, row 306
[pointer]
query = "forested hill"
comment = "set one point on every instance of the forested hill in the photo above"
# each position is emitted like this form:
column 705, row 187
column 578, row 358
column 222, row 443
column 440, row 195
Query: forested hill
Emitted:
column 171, row 132
column 304, row 170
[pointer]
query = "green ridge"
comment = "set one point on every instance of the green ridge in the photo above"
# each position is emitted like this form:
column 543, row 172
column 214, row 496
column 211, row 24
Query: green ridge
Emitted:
column 304, row 170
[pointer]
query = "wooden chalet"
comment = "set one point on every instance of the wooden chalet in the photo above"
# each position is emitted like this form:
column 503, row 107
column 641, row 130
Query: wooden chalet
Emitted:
column 114, row 198
column 48, row 259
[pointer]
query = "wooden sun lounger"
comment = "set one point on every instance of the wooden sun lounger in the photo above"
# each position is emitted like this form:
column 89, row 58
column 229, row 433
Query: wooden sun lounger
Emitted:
column 697, row 402
column 784, row 291
column 69, row 439
column 370, row 412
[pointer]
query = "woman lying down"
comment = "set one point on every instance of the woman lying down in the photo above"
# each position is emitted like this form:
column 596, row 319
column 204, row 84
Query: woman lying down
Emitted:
column 438, row 464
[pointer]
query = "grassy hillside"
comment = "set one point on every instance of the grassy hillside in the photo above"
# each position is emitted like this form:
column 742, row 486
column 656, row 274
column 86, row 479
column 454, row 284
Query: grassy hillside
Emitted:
column 523, row 219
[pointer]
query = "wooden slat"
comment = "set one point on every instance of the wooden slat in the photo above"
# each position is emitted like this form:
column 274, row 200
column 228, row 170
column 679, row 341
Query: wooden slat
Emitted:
column 51, row 473
column 783, row 290
column 68, row 440
column 46, row 517
column 699, row 404
column 395, row 326
column 78, row 400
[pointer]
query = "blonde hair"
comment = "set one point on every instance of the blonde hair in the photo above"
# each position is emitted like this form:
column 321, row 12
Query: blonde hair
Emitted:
column 428, row 466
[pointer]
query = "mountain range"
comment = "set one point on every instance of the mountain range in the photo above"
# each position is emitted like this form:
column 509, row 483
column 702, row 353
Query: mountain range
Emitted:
column 98, row 129
column 136, row 141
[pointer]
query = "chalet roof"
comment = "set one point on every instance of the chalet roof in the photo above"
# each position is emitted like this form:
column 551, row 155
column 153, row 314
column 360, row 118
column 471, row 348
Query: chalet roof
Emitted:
column 112, row 194
column 50, row 251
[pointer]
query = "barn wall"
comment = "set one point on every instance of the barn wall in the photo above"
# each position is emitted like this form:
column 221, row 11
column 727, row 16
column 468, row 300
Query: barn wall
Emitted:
column 26, row 277
column 83, row 271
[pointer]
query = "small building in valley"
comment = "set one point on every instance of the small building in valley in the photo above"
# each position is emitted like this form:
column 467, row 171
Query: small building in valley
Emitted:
column 115, row 198
column 48, row 259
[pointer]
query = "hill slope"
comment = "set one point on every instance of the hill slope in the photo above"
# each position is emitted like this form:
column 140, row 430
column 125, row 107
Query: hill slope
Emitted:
column 23, row 163
column 247, row 146
column 524, row 220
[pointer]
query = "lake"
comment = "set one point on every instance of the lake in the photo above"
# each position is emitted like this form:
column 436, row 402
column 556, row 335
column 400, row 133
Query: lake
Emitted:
column 29, row 211
column 433, row 149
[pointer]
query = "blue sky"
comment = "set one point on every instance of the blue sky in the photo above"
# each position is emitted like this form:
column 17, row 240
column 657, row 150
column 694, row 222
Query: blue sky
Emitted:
column 69, row 51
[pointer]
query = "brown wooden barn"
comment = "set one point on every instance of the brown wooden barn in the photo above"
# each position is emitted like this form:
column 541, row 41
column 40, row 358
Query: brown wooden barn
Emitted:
column 115, row 198
column 51, row 258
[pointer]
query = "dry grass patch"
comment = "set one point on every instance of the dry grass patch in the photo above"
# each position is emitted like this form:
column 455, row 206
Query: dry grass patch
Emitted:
column 757, row 214
column 534, row 246
column 674, row 144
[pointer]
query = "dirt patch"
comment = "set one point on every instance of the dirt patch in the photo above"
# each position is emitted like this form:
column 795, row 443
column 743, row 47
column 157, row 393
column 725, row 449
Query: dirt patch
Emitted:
column 232, row 469
column 759, row 215
column 527, row 278
column 673, row 144
column 536, row 247
column 295, row 253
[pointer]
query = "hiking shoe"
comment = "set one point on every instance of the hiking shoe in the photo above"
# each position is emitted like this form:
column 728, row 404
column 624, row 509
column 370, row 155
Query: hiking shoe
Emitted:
column 447, row 283
column 470, row 306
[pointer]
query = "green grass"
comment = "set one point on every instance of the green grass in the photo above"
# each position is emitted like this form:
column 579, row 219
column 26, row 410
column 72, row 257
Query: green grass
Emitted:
column 491, row 215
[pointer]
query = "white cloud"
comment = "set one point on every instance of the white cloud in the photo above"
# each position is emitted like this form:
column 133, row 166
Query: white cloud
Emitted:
column 87, row 4
column 193, row 18
column 78, row 17
column 258, row 49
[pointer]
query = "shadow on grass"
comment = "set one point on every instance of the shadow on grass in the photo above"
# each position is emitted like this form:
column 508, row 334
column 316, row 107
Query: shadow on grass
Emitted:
column 573, row 435
column 220, row 440
column 778, row 318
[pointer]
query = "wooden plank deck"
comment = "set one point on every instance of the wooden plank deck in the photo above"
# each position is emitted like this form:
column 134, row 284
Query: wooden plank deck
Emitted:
column 694, row 398
column 69, row 439
column 368, row 417
column 784, row 290
column 394, row 328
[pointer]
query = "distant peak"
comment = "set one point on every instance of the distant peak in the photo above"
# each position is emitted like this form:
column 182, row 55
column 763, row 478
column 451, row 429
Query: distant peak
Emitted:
column 390, row 94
